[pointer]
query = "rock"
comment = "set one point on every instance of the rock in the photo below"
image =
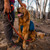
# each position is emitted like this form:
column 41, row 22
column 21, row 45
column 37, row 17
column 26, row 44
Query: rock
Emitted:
column 34, row 46
column 26, row 45
column 15, row 48
column 0, row 39
column 11, row 48
column 37, row 26
column 3, row 48
column 18, row 48
column 3, row 45
column 41, row 23
column 2, row 32
column 40, row 35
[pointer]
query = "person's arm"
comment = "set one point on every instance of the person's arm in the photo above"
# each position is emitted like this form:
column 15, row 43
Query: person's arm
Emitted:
column 7, row 7
column 22, row 4
column 6, row 1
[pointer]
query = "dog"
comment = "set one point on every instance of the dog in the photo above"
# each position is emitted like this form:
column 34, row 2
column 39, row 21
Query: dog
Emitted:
column 26, row 26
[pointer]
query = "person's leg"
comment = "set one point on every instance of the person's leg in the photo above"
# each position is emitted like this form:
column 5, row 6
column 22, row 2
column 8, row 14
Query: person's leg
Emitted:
column 1, row 5
column 7, row 27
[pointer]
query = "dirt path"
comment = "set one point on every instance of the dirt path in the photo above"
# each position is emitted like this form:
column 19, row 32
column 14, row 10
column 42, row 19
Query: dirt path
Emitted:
column 39, row 44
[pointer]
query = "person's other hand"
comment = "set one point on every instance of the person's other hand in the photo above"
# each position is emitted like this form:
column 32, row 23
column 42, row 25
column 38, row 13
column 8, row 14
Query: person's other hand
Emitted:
column 23, row 5
column 7, row 7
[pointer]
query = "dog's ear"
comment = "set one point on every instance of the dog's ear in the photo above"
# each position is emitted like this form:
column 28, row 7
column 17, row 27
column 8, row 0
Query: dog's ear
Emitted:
column 27, row 13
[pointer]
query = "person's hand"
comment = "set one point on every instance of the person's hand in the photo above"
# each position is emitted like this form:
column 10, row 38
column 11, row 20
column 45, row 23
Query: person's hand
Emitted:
column 23, row 5
column 7, row 7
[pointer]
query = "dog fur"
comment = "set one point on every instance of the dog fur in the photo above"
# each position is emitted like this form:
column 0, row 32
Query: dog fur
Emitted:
column 25, row 21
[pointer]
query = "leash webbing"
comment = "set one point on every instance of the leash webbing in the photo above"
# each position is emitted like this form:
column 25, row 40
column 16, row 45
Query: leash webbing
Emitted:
column 13, row 27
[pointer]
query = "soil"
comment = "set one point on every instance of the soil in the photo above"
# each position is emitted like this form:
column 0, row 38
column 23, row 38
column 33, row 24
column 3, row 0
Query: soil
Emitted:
column 39, row 44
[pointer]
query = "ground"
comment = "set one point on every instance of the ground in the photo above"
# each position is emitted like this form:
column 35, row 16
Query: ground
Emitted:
column 39, row 44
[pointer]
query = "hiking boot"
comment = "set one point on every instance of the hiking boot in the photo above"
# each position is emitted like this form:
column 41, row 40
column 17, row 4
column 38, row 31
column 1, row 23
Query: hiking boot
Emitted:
column 12, row 44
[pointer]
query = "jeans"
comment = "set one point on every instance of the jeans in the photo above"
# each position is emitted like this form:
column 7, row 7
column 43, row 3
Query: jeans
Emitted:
column 7, row 27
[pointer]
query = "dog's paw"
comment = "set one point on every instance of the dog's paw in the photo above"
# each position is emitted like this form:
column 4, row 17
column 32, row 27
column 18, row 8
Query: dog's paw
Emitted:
column 33, row 39
column 16, row 41
column 24, row 46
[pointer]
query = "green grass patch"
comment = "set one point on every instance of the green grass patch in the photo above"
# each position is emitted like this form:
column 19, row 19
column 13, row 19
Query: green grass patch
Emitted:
column 16, row 14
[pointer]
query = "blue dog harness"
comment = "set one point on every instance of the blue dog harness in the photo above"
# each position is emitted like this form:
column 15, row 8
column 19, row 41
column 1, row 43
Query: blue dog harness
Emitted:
column 31, row 27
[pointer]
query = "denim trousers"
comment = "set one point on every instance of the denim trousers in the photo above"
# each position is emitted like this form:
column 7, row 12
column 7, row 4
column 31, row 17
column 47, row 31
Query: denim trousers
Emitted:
column 7, row 27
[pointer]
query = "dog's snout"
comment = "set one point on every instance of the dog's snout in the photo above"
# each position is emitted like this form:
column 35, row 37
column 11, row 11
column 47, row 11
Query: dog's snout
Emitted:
column 18, row 9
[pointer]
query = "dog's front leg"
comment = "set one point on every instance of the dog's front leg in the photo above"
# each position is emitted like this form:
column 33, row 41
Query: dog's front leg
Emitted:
column 25, row 35
column 18, row 36
column 24, row 41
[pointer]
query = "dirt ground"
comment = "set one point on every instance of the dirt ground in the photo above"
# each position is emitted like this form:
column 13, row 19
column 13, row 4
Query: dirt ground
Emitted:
column 39, row 44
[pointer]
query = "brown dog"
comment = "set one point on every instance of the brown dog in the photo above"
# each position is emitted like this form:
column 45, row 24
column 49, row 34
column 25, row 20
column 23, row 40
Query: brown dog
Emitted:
column 24, row 19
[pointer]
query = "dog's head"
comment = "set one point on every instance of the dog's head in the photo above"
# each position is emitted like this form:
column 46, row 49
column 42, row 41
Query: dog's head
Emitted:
column 22, row 11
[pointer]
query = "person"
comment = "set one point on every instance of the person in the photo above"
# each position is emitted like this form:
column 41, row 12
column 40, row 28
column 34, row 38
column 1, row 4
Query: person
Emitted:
column 6, row 8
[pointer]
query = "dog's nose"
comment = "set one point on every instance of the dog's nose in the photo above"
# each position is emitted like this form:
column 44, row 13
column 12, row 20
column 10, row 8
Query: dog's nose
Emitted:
column 18, row 9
